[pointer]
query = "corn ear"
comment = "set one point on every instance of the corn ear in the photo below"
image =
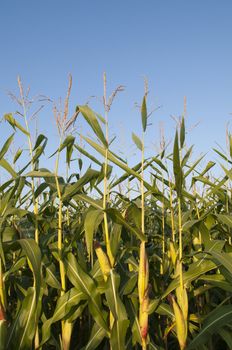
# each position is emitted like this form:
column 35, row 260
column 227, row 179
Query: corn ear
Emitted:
column 143, row 290
column 3, row 328
column 172, row 252
column 143, row 318
column 182, row 299
column 181, row 294
column 103, row 260
column 67, row 332
column 143, row 272
column 181, row 326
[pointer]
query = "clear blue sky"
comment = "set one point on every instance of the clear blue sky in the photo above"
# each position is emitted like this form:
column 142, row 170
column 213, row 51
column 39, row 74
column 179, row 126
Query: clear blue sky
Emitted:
column 183, row 47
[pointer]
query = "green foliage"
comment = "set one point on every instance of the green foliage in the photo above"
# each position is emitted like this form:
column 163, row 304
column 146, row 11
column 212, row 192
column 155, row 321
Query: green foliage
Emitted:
column 61, row 290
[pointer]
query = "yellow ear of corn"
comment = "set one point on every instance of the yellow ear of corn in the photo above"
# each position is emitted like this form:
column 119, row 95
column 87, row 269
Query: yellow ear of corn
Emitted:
column 3, row 328
column 181, row 326
column 182, row 296
column 172, row 252
column 143, row 291
column 143, row 318
column 143, row 272
column 67, row 332
column 182, row 299
column 103, row 260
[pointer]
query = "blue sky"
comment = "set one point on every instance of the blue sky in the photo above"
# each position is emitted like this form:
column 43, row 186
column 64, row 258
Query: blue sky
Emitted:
column 183, row 48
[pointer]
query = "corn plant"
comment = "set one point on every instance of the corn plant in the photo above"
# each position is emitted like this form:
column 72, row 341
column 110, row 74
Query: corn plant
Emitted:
column 112, row 256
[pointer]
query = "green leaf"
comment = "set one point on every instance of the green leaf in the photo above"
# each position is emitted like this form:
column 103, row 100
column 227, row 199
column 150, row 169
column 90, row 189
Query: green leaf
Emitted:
column 92, row 221
column 225, row 219
column 83, row 197
column 230, row 141
column 69, row 151
column 160, row 308
column 3, row 334
column 118, row 218
column 100, row 117
column 41, row 139
column 157, row 161
column 171, row 185
column 226, row 336
column 17, row 155
column 116, row 161
column 13, row 122
column 33, row 255
column 223, row 258
column 222, row 155
column 6, row 146
column 112, row 296
column 137, row 141
column 125, row 176
column 91, row 119
column 69, row 141
column 182, row 133
column 189, row 224
column 64, row 304
column 204, row 180
column 132, row 308
column 218, row 318
column 40, row 173
column 71, row 190
column 217, row 281
column 130, row 283
column 121, row 323
column 4, row 164
column 50, row 277
column 186, row 156
column 192, row 168
column 144, row 114
column 40, row 189
column 23, row 328
column 118, row 334
column 21, row 333
column 88, row 155
column 17, row 265
column 115, row 238
column 195, row 270
column 96, row 337
column 82, row 281
column 209, row 165
column 177, row 166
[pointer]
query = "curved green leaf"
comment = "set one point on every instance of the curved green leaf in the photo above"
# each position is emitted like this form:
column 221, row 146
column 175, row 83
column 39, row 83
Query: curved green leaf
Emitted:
column 213, row 322
column 6, row 146
column 64, row 304
column 96, row 337
column 137, row 141
column 92, row 221
column 13, row 122
column 91, row 119
column 144, row 114
column 85, row 283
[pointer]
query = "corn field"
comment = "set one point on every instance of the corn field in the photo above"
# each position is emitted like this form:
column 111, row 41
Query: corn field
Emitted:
column 112, row 256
